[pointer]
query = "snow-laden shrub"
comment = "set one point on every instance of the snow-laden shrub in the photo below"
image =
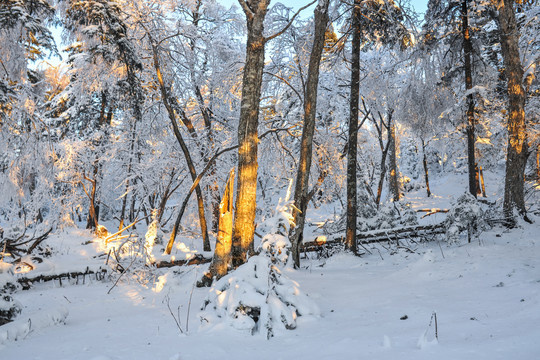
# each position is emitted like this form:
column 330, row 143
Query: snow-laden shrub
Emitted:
column 465, row 214
column 277, row 247
column 256, row 298
column 280, row 218
column 390, row 215
column 9, row 308
column 153, row 236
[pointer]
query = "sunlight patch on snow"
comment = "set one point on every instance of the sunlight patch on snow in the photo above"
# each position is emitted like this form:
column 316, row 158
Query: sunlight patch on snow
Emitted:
column 160, row 284
column 135, row 296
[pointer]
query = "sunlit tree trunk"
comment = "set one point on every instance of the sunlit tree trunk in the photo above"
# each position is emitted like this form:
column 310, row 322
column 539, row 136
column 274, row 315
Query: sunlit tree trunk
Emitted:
column 467, row 54
column 301, row 191
column 246, row 187
column 222, row 253
column 352, row 206
column 517, row 150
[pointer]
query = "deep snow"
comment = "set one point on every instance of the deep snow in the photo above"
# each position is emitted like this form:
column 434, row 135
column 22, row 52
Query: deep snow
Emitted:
column 486, row 296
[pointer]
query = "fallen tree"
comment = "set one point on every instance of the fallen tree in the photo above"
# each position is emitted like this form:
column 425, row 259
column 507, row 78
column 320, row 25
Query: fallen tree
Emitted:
column 381, row 235
column 26, row 281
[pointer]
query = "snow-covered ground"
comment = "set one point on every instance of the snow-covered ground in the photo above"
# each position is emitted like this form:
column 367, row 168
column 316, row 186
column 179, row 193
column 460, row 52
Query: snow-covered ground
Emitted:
column 486, row 297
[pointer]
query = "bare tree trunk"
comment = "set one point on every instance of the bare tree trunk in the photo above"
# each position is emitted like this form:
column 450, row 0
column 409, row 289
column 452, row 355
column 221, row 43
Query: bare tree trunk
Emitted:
column 185, row 150
column 301, row 191
column 425, row 164
column 394, row 170
column 222, row 253
column 208, row 116
column 93, row 211
column 467, row 53
column 538, row 163
column 246, row 187
column 517, row 151
column 352, row 206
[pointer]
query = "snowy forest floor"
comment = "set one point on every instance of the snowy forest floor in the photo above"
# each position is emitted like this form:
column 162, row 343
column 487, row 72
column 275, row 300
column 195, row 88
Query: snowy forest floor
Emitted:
column 486, row 296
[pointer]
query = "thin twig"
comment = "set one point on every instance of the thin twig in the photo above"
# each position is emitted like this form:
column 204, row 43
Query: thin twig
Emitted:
column 189, row 303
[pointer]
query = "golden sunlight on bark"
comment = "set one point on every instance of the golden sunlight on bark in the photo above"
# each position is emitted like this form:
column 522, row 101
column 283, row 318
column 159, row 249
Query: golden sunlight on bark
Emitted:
column 222, row 254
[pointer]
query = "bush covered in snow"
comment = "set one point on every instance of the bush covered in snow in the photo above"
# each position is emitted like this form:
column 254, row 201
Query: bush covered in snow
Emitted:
column 256, row 298
column 9, row 308
column 465, row 214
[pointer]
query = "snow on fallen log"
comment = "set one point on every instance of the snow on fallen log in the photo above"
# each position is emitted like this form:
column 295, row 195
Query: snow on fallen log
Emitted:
column 20, row 328
column 381, row 235
column 26, row 281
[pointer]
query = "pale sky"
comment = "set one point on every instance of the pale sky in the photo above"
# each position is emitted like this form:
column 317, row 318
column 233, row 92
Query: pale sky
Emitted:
column 419, row 5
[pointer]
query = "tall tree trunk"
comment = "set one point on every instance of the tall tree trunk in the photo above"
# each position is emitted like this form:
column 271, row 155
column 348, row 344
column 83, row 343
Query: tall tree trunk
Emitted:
column 538, row 163
column 394, row 170
column 467, row 54
column 136, row 95
column 425, row 164
column 352, row 206
column 301, row 191
column 208, row 116
column 517, row 151
column 222, row 253
column 172, row 117
column 246, row 187
column 93, row 211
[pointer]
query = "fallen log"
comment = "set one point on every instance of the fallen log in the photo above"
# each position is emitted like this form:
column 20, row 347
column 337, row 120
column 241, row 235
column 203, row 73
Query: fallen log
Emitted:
column 196, row 260
column 429, row 212
column 27, row 281
column 375, row 236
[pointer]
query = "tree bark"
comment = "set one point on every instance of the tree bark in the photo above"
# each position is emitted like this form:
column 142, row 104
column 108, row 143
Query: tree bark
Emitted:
column 538, row 163
column 517, row 150
column 301, row 191
column 222, row 253
column 246, row 187
column 352, row 206
column 425, row 164
column 394, row 170
column 467, row 54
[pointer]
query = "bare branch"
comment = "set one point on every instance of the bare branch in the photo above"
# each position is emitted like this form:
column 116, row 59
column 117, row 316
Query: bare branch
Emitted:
column 247, row 10
column 290, row 22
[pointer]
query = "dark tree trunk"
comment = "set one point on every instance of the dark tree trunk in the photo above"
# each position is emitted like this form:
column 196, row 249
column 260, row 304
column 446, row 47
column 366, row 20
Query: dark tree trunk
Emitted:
column 394, row 170
column 172, row 117
column 208, row 117
column 517, row 151
column 352, row 206
column 136, row 100
column 538, row 163
column 425, row 164
column 467, row 54
column 93, row 211
column 301, row 191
